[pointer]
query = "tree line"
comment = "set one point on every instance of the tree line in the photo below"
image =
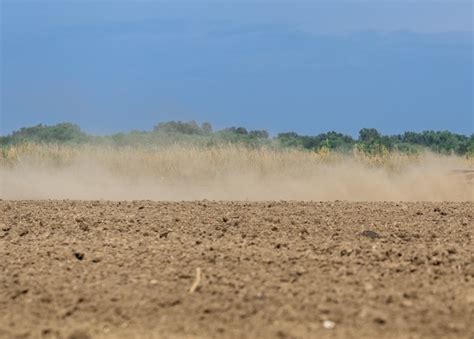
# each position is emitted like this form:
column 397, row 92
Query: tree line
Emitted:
column 369, row 140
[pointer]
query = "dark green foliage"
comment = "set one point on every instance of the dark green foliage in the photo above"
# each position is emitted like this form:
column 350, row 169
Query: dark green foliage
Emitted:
column 439, row 141
column 206, row 127
column 262, row 134
column 369, row 135
column 236, row 130
column 370, row 141
column 331, row 140
column 290, row 139
column 190, row 127
column 240, row 135
column 60, row 133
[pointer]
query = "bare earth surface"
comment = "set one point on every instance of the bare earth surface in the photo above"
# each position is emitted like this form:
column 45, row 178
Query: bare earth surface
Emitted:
column 83, row 269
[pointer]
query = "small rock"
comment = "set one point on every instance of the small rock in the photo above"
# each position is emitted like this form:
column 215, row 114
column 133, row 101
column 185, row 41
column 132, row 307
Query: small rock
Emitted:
column 346, row 252
column 164, row 234
column 370, row 234
column 83, row 226
column 304, row 231
column 20, row 292
column 153, row 282
column 452, row 250
column 46, row 331
column 380, row 320
column 410, row 295
column 437, row 209
column 22, row 231
column 79, row 255
column 328, row 324
column 79, row 334
column 46, row 299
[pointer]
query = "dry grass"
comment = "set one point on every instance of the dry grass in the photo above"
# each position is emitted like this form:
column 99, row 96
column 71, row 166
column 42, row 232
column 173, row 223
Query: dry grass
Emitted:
column 226, row 172
column 173, row 161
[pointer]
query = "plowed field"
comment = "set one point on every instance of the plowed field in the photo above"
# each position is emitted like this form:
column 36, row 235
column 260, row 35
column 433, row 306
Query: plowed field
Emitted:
column 85, row 269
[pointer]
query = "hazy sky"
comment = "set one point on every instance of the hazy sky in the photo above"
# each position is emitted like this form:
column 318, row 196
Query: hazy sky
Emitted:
column 305, row 66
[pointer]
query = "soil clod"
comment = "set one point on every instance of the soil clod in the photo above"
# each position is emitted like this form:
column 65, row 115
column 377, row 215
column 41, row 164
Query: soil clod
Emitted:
column 370, row 234
column 22, row 231
column 79, row 334
column 79, row 255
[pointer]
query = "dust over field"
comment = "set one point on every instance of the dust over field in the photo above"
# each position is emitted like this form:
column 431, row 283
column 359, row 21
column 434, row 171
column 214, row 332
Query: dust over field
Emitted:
column 90, row 269
column 228, row 173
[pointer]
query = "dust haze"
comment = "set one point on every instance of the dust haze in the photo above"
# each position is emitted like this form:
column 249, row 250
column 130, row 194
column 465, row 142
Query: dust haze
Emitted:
column 232, row 174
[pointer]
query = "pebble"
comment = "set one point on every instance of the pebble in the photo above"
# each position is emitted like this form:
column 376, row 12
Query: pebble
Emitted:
column 370, row 234
column 328, row 324
column 79, row 255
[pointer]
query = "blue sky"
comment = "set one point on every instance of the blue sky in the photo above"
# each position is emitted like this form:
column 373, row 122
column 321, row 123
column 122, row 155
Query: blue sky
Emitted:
column 304, row 66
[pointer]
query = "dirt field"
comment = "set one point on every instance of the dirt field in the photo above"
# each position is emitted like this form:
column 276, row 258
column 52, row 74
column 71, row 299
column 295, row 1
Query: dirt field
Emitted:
column 79, row 269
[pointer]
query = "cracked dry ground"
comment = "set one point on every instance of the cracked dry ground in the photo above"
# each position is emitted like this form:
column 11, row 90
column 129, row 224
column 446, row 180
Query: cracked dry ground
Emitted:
column 79, row 269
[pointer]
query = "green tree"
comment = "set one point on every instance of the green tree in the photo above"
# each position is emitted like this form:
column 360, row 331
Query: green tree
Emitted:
column 190, row 127
column 206, row 128
column 60, row 133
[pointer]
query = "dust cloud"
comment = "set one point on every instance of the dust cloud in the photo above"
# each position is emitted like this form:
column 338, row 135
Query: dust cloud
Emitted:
column 238, row 176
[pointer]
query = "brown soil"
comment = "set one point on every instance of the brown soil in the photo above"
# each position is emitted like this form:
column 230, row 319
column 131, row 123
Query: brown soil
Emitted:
column 78, row 269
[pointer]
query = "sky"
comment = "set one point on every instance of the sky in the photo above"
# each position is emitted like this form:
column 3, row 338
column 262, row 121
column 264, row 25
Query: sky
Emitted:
column 303, row 66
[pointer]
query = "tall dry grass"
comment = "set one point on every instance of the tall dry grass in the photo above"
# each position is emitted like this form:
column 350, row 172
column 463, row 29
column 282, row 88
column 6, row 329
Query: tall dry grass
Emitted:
column 31, row 171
